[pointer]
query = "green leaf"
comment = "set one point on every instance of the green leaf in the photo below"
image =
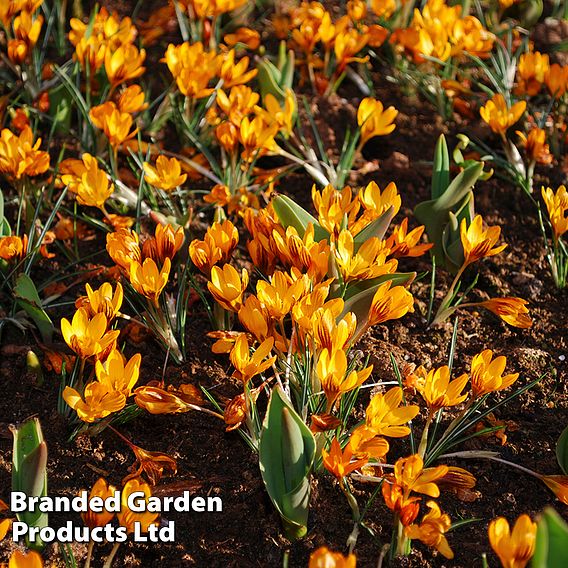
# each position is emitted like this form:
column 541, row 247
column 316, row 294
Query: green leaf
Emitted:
column 560, row 46
column 467, row 213
column 452, row 249
column 441, row 173
column 291, row 214
column 528, row 12
column 397, row 279
column 60, row 106
column 275, row 79
column 287, row 451
column 77, row 99
column 287, row 77
column 459, row 187
column 377, row 228
column 435, row 213
column 4, row 225
column 292, row 450
column 459, row 159
column 551, row 550
column 281, row 60
column 28, row 298
column 29, row 471
column 34, row 368
column 562, row 451
column 269, row 77
column 358, row 298
column 451, row 239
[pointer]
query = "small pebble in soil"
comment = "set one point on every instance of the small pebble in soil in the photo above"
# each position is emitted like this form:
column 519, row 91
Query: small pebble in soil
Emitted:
column 510, row 498
column 529, row 284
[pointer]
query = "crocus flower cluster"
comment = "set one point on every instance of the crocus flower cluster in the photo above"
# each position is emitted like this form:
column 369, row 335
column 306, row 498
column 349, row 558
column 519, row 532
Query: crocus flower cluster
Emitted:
column 306, row 278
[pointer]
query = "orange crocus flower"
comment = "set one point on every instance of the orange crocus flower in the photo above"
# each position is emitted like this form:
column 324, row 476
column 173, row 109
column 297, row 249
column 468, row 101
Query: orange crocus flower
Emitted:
column 255, row 318
column 403, row 243
column 26, row 30
column 247, row 366
column 557, row 207
column 126, row 517
column 87, row 181
column 386, row 417
column 227, row 286
column 512, row 311
column 499, row 116
column 234, row 73
column 390, row 302
column 514, row 548
column 431, row 530
column 558, row 484
column 115, row 124
column 331, row 370
column 98, row 401
column 338, row 462
column 325, row 558
column 153, row 464
column 147, row 279
column 30, row 559
column 156, row 400
column 88, row 337
column 225, row 237
column 487, row 374
column 102, row 300
column 332, row 205
column 282, row 116
column 124, row 248
column 239, row 103
column 374, row 119
column 536, row 148
column 165, row 175
column 410, row 474
column 257, row 137
column 557, row 80
column 246, row 36
column 165, row 243
column 91, row 50
column 368, row 262
column 280, row 294
column 437, row 389
column 330, row 334
column 124, row 64
column 477, row 242
column 101, row 489
column 117, row 373
column 13, row 247
column 20, row 156
column 131, row 100
column 531, row 72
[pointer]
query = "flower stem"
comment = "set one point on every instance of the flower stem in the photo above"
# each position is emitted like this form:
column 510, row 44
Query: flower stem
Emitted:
column 356, row 514
column 89, row 554
column 458, row 418
column 493, row 456
column 402, row 542
column 121, row 436
column 424, row 439
column 384, row 551
column 445, row 311
column 110, row 558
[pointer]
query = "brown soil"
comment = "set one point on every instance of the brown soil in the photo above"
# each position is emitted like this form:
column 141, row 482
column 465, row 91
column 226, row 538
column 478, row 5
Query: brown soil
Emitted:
column 212, row 462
